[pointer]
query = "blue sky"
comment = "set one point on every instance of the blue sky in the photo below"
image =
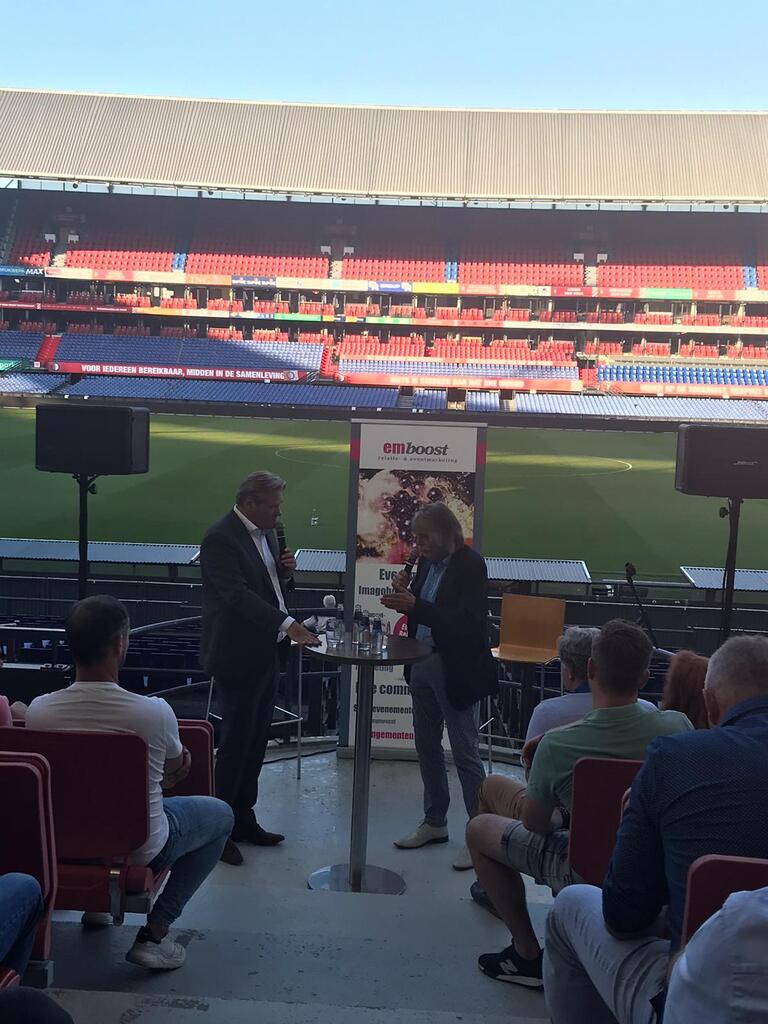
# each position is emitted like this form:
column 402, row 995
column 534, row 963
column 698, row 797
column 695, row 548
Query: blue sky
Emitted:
column 679, row 54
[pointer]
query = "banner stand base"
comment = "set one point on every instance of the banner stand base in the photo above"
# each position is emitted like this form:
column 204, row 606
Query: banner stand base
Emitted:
column 335, row 878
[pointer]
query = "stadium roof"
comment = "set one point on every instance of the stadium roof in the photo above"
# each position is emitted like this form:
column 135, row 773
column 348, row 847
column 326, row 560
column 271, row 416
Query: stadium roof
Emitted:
column 494, row 155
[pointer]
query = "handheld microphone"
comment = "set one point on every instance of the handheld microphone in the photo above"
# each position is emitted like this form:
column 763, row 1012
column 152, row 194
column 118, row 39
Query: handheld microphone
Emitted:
column 282, row 546
column 411, row 561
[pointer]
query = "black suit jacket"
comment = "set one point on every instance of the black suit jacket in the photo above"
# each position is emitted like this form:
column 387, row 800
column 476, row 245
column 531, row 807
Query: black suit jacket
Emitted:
column 458, row 618
column 241, row 614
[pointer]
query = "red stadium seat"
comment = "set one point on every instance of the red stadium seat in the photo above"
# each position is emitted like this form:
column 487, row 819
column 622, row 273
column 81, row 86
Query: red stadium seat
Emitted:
column 29, row 845
column 712, row 879
column 599, row 784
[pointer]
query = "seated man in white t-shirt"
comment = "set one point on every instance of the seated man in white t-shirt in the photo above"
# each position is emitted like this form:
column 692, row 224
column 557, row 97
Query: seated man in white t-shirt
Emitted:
column 186, row 833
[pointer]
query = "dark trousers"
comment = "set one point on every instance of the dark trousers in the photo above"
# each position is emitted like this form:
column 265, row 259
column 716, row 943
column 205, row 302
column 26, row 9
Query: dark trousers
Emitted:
column 245, row 706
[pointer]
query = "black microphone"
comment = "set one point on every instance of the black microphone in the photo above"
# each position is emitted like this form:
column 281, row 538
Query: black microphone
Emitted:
column 282, row 547
column 411, row 561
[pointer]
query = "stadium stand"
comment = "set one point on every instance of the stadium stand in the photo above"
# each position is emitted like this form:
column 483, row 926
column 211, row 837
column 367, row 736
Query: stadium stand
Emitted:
column 20, row 344
column 482, row 401
column 436, row 368
column 679, row 374
column 263, row 355
column 234, row 391
column 614, row 406
column 427, row 398
column 30, row 383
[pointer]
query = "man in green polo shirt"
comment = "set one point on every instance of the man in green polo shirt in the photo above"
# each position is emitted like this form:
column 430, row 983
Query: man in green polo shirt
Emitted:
column 503, row 850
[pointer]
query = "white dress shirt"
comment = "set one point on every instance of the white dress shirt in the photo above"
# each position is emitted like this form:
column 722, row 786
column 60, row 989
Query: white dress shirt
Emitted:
column 259, row 538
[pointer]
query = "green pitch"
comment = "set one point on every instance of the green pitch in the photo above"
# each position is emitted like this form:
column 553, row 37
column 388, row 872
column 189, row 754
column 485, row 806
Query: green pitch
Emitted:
column 603, row 496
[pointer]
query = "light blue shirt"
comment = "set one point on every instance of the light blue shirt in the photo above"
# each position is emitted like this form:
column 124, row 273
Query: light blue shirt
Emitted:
column 720, row 976
column 429, row 593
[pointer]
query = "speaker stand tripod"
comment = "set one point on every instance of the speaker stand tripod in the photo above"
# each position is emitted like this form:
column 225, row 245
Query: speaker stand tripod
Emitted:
column 731, row 512
column 86, row 485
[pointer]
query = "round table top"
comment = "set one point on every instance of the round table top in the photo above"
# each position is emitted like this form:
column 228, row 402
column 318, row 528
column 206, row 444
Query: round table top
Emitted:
column 400, row 650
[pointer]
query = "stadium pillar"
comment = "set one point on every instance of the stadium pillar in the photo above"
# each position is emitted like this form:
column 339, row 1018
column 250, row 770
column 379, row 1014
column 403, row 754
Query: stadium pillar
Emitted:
column 86, row 485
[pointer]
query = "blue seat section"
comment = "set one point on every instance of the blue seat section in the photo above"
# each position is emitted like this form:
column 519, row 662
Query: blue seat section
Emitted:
column 29, row 383
column 20, row 344
column 261, row 355
column 644, row 407
column 750, row 276
column 683, row 374
column 482, row 401
column 180, row 390
column 429, row 398
column 179, row 261
column 434, row 368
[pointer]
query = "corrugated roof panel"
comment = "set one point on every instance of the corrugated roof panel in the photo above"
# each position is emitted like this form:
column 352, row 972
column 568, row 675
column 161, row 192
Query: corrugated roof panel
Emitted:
column 385, row 151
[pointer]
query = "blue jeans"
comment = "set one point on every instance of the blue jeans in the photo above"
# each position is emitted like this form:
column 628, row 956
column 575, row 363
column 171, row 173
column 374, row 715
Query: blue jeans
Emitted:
column 433, row 712
column 592, row 978
column 21, row 907
column 198, row 829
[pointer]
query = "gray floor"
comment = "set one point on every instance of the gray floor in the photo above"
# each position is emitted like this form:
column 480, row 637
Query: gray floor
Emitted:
column 263, row 948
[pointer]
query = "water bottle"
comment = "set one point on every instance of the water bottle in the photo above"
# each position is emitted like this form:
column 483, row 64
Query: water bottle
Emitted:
column 356, row 624
column 377, row 635
column 386, row 631
column 365, row 632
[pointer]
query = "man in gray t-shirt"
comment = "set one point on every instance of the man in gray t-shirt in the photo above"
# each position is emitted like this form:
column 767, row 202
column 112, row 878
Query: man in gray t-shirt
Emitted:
column 573, row 649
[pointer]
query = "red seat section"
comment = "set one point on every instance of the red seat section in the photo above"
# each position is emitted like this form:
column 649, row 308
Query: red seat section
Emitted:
column 712, row 879
column 96, row 770
column 712, row 264
column 28, row 846
column 599, row 784
column 511, row 262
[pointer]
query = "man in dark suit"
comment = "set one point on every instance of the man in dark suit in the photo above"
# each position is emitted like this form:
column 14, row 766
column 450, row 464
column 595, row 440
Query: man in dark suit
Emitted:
column 245, row 623
column 447, row 608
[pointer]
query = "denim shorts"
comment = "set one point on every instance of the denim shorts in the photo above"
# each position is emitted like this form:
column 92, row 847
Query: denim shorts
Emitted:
column 544, row 858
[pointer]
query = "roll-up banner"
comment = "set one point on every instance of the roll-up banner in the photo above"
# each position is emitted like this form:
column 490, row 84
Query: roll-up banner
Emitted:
column 396, row 467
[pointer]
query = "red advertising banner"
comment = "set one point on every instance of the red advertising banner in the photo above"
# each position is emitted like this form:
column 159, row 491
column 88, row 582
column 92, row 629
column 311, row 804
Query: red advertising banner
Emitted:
column 191, row 372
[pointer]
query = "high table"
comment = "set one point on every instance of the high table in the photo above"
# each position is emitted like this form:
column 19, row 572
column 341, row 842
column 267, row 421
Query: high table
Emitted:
column 357, row 876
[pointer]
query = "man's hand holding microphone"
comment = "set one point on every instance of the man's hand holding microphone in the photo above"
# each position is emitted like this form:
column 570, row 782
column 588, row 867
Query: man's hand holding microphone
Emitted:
column 402, row 600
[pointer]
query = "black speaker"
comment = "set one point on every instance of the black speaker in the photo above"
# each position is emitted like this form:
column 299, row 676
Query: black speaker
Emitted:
column 722, row 462
column 96, row 440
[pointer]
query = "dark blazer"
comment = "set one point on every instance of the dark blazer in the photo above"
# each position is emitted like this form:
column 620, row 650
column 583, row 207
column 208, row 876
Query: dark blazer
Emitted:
column 459, row 622
column 241, row 615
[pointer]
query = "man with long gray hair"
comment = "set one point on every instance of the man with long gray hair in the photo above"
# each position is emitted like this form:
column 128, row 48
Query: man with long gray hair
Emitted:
column 447, row 609
column 245, row 624
column 700, row 792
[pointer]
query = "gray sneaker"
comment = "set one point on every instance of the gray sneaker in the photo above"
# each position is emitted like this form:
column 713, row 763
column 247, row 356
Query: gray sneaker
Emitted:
column 423, row 835
column 165, row 955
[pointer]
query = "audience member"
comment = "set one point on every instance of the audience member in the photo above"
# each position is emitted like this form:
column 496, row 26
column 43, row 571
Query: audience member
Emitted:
column 187, row 833
column 729, row 952
column 684, row 687
column 6, row 718
column 706, row 792
column 574, row 649
column 21, row 907
column 499, row 794
column 29, row 1006
column 536, row 844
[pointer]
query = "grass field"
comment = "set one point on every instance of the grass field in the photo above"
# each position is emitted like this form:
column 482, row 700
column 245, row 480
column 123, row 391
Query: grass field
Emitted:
column 602, row 496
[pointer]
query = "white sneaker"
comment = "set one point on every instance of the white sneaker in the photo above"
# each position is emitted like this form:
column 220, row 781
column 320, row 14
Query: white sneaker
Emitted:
column 424, row 834
column 95, row 919
column 165, row 955
column 463, row 860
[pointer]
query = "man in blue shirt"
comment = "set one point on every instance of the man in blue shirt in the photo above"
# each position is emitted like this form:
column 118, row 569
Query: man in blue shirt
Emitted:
column 447, row 609
column 704, row 792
